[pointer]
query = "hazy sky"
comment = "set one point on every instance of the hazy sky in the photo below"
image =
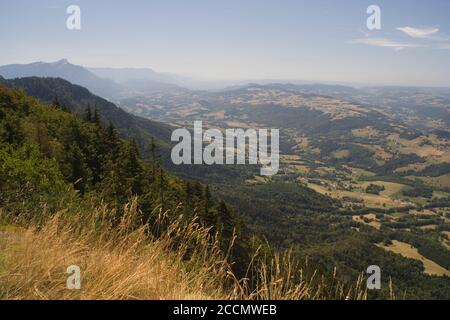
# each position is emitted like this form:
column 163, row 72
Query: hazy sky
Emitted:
column 239, row 39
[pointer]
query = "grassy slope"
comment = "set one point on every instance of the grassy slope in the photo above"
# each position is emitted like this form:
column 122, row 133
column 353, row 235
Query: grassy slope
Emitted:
column 125, row 263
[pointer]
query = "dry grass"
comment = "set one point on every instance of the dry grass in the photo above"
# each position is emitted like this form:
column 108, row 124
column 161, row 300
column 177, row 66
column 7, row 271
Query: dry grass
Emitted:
column 370, row 200
column 408, row 251
column 439, row 182
column 391, row 189
column 122, row 261
column 116, row 262
column 373, row 221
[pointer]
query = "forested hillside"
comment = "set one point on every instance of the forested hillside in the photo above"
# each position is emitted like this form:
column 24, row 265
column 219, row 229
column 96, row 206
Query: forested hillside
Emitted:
column 76, row 99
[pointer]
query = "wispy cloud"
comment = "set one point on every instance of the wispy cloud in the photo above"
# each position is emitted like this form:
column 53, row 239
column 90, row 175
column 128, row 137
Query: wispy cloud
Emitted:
column 438, row 41
column 421, row 33
column 386, row 43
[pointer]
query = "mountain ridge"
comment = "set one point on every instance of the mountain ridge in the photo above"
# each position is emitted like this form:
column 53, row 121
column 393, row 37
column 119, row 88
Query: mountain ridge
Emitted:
column 109, row 83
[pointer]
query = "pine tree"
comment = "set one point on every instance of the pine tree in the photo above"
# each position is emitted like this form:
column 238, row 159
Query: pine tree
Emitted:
column 79, row 172
column 226, row 220
column 154, row 158
column 133, row 168
column 112, row 139
column 112, row 134
column 208, row 216
column 88, row 113
column 96, row 117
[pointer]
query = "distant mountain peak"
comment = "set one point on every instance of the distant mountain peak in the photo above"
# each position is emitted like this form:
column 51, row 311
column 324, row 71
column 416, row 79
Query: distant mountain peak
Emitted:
column 63, row 69
column 62, row 61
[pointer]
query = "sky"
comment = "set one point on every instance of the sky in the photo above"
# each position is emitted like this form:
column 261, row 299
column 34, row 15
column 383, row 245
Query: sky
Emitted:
column 314, row 40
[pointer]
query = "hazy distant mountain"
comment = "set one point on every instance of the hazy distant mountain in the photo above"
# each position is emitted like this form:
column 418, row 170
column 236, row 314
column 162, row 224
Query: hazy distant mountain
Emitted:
column 124, row 75
column 65, row 70
column 106, row 82
column 315, row 89
column 138, row 81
